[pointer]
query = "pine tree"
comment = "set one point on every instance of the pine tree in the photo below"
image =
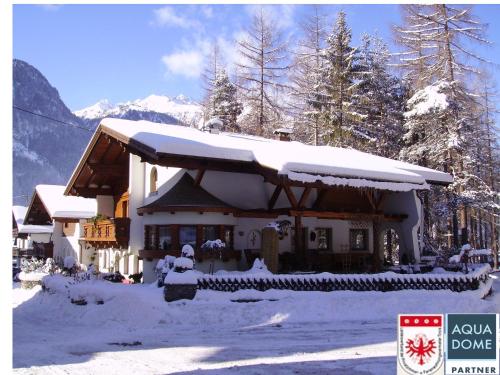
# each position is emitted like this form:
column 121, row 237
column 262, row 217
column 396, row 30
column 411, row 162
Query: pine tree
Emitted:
column 224, row 102
column 309, row 99
column 380, row 100
column 341, row 76
column 262, row 73
column 437, row 38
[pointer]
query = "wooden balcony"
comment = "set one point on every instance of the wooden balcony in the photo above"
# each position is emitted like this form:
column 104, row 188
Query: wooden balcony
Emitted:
column 108, row 232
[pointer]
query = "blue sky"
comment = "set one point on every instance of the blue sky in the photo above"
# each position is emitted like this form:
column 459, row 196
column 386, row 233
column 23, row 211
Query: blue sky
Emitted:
column 125, row 52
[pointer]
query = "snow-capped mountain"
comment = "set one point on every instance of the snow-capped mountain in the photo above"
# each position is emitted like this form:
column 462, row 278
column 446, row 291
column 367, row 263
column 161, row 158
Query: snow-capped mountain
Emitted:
column 169, row 110
column 44, row 151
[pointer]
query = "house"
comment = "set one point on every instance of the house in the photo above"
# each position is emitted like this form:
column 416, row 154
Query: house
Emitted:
column 27, row 236
column 66, row 216
column 162, row 186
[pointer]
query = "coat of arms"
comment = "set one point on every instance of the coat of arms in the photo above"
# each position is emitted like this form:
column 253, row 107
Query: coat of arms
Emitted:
column 420, row 344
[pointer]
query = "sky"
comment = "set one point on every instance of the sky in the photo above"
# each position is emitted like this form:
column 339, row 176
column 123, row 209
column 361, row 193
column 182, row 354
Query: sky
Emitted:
column 126, row 52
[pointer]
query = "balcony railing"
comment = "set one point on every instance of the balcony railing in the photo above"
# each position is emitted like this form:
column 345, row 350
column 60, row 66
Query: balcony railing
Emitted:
column 108, row 231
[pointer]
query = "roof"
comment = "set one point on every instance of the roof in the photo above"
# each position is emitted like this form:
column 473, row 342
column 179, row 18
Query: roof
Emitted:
column 295, row 160
column 60, row 206
column 19, row 213
column 184, row 195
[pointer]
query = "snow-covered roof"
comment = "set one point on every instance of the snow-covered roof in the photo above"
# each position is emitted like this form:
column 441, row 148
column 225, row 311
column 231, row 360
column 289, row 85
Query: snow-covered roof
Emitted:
column 296, row 160
column 19, row 213
column 60, row 206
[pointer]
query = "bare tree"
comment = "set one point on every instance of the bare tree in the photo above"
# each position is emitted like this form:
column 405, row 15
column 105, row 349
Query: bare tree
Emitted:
column 262, row 72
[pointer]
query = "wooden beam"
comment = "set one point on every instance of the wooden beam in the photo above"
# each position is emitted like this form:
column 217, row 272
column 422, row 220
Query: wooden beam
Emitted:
column 304, row 196
column 290, row 196
column 274, row 197
column 199, row 177
column 108, row 169
column 91, row 192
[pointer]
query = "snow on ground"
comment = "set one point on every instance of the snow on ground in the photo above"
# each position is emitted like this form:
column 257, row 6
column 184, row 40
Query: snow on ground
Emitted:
column 135, row 331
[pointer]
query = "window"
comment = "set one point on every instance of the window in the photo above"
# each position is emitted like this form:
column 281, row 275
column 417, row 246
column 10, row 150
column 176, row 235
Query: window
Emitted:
column 358, row 239
column 165, row 237
column 324, row 238
column 187, row 236
column 228, row 237
column 150, row 237
column 173, row 237
column 153, row 180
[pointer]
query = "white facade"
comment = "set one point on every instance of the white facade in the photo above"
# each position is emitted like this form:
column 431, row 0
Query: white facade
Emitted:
column 248, row 192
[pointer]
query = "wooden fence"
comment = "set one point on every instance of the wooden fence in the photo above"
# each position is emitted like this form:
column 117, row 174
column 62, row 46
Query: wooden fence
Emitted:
column 327, row 282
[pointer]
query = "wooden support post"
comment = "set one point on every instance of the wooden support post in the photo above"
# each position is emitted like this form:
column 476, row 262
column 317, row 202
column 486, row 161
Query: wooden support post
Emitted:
column 376, row 246
column 270, row 247
column 299, row 246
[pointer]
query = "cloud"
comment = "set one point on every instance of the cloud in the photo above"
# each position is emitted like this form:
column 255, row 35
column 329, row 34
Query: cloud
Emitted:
column 50, row 7
column 167, row 16
column 282, row 16
column 207, row 11
column 187, row 63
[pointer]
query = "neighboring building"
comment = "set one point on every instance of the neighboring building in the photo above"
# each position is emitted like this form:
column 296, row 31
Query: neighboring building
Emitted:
column 28, row 239
column 163, row 186
column 67, row 216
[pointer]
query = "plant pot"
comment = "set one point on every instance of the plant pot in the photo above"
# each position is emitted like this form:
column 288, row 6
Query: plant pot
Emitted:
column 174, row 292
column 29, row 284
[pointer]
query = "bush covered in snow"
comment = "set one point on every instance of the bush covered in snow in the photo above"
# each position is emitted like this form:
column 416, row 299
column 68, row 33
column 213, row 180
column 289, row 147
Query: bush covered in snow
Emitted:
column 188, row 252
column 32, row 265
column 163, row 267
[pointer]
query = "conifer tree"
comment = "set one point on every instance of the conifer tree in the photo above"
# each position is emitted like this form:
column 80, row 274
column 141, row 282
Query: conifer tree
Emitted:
column 224, row 102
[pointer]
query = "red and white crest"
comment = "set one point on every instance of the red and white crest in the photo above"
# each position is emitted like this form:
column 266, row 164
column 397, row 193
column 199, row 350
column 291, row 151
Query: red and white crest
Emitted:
column 420, row 344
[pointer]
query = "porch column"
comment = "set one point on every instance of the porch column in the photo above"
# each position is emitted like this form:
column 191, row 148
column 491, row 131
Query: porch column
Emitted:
column 299, row 246
column 376, row 247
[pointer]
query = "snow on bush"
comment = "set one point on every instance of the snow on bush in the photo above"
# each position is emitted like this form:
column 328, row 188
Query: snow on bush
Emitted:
column 69, row 262
column 187, row 251
column 32, row 265
column 213, row 245
column 176, row 278
column 183, row 264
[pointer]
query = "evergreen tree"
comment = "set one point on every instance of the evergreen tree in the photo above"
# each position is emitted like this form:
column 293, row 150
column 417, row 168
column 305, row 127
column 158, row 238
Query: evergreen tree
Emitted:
column 341, row 79
column 441, row 35
column 224, row 102
column 380, row 99
column 308, row 94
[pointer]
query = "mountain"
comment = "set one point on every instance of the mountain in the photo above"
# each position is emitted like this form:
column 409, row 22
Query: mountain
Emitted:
column 44, row 151
column 47, row 151
column 157, row 108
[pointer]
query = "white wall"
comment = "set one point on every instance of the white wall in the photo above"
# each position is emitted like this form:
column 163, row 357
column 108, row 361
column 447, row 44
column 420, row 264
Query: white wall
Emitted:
column 106, row 205
column 69, row 245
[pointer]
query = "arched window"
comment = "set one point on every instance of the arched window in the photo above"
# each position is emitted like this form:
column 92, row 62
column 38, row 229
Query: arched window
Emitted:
column 153, row 179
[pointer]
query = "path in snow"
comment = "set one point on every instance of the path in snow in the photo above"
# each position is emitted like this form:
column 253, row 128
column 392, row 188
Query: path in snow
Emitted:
column 52, row 336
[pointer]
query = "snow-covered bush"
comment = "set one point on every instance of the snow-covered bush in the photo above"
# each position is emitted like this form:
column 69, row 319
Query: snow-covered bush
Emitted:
column 213, row 245
column 188, row 252
column 280, row 226
column 181, row 282
column 183, row 264
column 71, row 266
column 163, row 267
column 50, row 266
column 259, row 267
column 32, row 265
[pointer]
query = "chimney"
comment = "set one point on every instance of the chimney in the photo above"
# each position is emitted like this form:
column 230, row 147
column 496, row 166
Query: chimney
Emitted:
column 284, row 134
column 213, row 126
